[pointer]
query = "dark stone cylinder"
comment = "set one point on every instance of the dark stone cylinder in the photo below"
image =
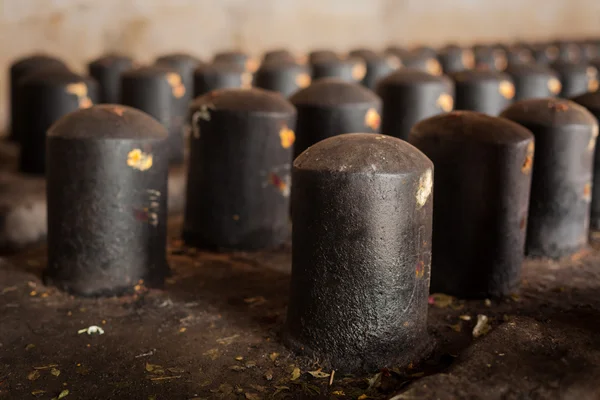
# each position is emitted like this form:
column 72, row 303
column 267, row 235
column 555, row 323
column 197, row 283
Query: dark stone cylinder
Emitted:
column 591, row 101
column 279, row 55
column 482, row 181
column 490, row 58
column 18, row 70
column 238, row 182
column 330, row 107
column 534, row 81
column 239, row 58
column 410, row 96
column 378, row 66
column 107, row 201
column 484, row 91
column 107, row 71
column 184, row 65
column 576, row 79
column 361, row 251
column 283, row 77
column 156, row 90
column 46, row 96
column 350, row 69
column 221, row 75
column 454, row 58
column 561, row 189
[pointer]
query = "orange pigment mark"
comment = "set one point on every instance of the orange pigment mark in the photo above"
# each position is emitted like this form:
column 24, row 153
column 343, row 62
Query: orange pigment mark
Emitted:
column 433, row 66
column 587, row 191
column 372, row 119
column 279, row 183
column 287, row 137
column 507, row 89
column 528, row 163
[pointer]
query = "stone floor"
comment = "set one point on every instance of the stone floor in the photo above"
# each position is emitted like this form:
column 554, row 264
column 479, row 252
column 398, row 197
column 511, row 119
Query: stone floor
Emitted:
column 213, row 333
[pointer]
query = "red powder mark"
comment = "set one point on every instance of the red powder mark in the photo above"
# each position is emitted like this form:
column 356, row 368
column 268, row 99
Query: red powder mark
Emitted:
column 431, row 300
column 141, row 215
column 420, row 271
column 277, row 182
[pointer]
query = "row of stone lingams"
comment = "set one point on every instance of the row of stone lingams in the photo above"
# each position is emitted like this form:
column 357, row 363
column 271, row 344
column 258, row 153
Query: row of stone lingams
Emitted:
column 411, row 168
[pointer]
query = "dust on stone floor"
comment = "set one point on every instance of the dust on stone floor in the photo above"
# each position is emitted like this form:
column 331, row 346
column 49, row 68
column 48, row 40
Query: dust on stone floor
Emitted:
column 213, row 333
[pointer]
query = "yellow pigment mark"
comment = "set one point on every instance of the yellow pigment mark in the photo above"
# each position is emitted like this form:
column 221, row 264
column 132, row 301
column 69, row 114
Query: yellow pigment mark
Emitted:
column 139, row 160
column 118, row 110
column 593, row 85
column 287, row 137
column 372, row 119
column 507, row 89
column 359, row 71
column 176, row 84
column 528, row 163
column 500, row 61
column 425, row 187
column 468, row 58
column 587, row 191
column 433, row 66
column 445, row 102
column 592, row 142
column 246, row 80
column 554, row 86
column 303, row 80
column 80, row 90
column 251, row 64
column 394, row 62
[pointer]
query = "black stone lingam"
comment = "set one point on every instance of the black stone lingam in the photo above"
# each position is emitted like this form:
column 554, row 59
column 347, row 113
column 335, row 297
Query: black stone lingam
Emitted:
column 221, row 75
column 534, row 81
column 330, row 107
column 107, row 71
column 576, row 79
column 107, row 201
column 44, row 97
column 561, row 190
column 238, row 183
column 410, row 96
column 156, row 90
column 282, row 76
column 483, row 90
column 239, row 58
column 361, row 251
column 482, row 180
column 18, row 70
column 454, row 58
column 378, row 66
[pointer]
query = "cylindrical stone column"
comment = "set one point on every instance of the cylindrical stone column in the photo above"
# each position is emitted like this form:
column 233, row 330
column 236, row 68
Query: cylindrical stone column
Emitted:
column 534, row 81
column 591, row 101
column 282, row 76
column 454, row 58
column 330, row 107
column 107, row 71
column 483, row 90
column 482, row 181
column 349, row 69
column 107, row 201
column 278, row 55
column 184, row 65
column 576, row 79
column 18, row 70
column 250, row 64
column 238, row 183
column 221, row 75
column 488, row 57
column 561, row 190
column 44, row 97
column 410, row 96
column 361, row 241
column 378, row 66
column 156, row 90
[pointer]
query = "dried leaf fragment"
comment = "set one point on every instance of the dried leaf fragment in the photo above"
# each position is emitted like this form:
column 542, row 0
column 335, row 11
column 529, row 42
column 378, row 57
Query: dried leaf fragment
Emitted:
column 33, row 375
column 295, row 374
column 319, row 374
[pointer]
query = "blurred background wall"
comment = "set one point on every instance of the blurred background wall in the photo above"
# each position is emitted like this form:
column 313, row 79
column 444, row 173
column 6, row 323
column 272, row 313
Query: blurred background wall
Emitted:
column 78, row 30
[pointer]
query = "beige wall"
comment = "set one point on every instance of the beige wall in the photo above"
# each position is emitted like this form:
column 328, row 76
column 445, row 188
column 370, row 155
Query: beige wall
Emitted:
column 78, row 30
